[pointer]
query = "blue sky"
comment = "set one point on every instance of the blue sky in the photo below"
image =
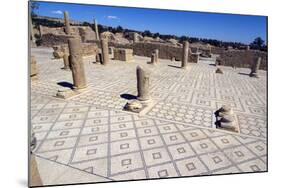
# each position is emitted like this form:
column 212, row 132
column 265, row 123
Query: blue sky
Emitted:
column 226, row 27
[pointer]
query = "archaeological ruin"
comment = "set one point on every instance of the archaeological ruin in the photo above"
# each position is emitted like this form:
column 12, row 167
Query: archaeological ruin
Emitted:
column 112, row 104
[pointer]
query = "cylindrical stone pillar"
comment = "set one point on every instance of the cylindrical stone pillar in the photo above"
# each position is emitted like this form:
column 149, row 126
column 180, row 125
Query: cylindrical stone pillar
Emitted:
column 156, row 52
column 97, row 30
column 143, row 84
column 184, row 54
column 105, row 54
column 76, row 63
column 255, row 68
column 135, row 37
column 66, row 61
column 67, row 24
column 153, row 59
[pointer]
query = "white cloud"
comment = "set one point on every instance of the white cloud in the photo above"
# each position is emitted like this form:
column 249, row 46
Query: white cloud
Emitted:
column 112, row 17
column 57, row 12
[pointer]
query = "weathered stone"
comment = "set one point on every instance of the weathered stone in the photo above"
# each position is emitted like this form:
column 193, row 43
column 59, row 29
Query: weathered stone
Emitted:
column 76, row 63
column 65, row 93
column 35, row 179
column 225, row 119
column 133, row 106
column 136, row 39
column 219, row 71
column 105, row 54
column 111, row 52
column 66, row 61
column 143, row 77
column 156, row 52
column 67, row 23
column 153, row 59
column 97, row 30
column 99, row 58
column 185, row 54
column 255, row 68
column 123, row 54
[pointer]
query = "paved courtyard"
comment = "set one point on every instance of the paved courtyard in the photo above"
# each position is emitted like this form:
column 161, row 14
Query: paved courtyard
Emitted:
column 89, row 138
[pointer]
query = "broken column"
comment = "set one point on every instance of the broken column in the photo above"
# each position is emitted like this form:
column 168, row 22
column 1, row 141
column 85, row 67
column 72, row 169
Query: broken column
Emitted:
column 97, row 30
column 66, row 22
column 66, row 61
column 76, row 63
column 156, row 52
column 185, row 55
column 105, row 54
column 255, row 68
column 225, row 119
column 143, row 84
column 219, row 71
column 153, row 59
column 135, row 39
column 65, row 57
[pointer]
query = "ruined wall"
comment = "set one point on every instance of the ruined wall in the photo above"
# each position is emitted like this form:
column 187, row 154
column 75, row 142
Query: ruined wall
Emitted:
column 240, row 58
column 50, row 36
column 87, row 49
column 231, row 57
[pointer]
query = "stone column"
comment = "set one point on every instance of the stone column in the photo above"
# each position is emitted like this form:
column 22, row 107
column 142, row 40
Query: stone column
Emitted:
column 66, row 61
column 255, row 68
column 76, row 63
column 184, row 55
column 153, row 59
column 156, row 52
column 67, row 24
column 143, row 84
column 135, row 37
column 97, row 30
column 104, row 48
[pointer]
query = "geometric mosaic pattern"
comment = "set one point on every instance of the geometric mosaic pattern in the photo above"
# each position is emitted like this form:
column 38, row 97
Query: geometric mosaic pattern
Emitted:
column 90, row 132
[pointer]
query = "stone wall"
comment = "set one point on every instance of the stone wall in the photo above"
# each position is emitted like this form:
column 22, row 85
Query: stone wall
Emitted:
column 231, row 57
column 240, row 58
column 87, row 49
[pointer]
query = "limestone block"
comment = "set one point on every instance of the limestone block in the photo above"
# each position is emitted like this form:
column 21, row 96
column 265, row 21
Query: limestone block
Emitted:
column 123, row 54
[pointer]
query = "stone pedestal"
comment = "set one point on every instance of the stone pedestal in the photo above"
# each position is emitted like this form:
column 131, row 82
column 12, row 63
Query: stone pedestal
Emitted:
column 76, row 63
column 105, row 54
column 225, row 119
column 66, row 62
column 67, row 23
column 185, row 55
column 143, row 84
column 123, row 54
column 255, row 68
column 219, row 71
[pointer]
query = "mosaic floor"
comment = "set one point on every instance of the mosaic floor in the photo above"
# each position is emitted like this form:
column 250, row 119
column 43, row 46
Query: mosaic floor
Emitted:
column 90, row 133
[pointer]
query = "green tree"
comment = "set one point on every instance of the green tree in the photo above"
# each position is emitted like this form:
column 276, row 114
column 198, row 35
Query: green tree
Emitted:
column 258, row 43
